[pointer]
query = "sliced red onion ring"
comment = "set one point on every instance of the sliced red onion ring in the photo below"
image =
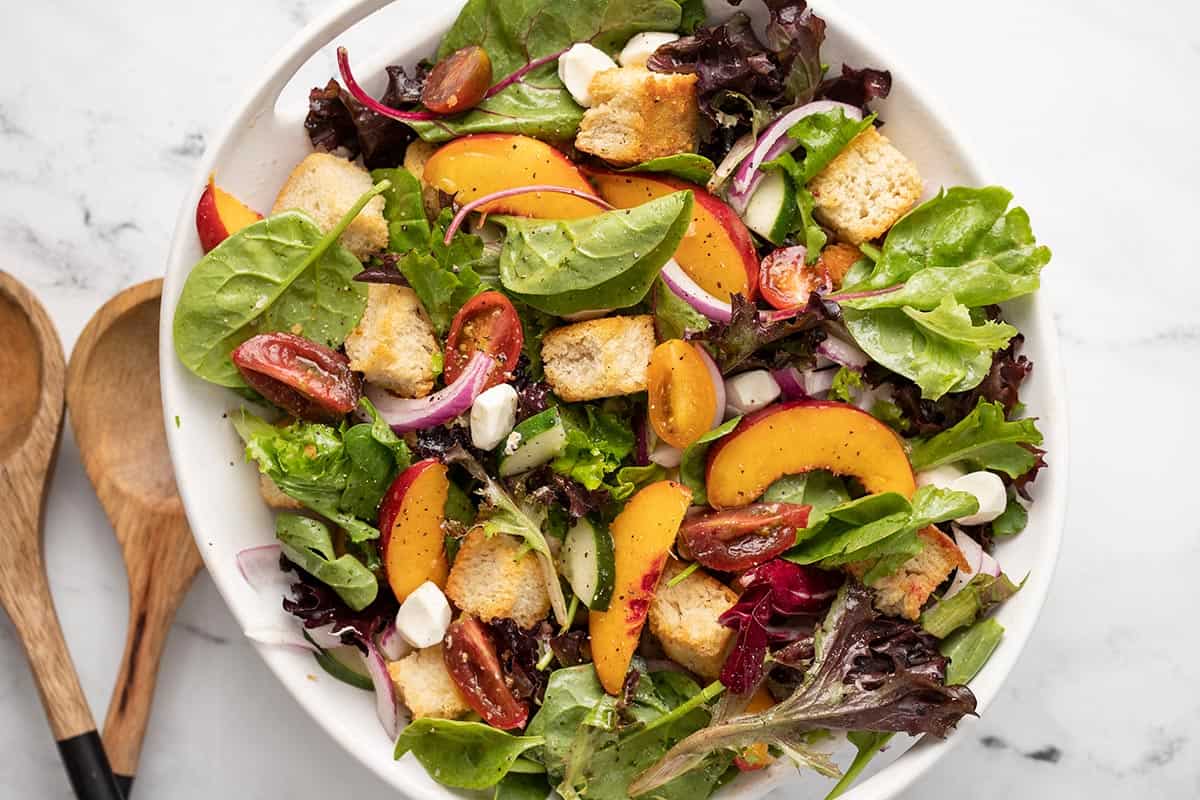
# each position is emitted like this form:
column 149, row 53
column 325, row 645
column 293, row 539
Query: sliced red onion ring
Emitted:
column 666, row 456
column 392, row 644
column 973, row 553
column 774, row 142
column 387, row 705
column 457, row 222
column 259, row 565
column 818, row 382
column 442, row 406
column 791, row 383
column 289, row 637
column 842, row 352
column 737, row 154
column 989, row 566
column 690, row 292
column 718, row 382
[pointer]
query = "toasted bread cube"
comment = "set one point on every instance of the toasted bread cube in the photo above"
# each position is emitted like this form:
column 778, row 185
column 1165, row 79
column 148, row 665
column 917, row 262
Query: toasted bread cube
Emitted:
column 683, row 618
column 394, row 345
column 599, row 358
column 866, row 189
column 638, row 115
column 425, row 685
column 325, row 186
column 493, row 579
column 274, row 497
column 905, row 591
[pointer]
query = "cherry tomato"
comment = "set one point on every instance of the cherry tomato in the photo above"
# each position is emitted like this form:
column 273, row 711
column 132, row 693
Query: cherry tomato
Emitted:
column 458, row 82
column 470, row 656
column 487, row 322
column 306, row 379
column 683, row 400
column 741, row 538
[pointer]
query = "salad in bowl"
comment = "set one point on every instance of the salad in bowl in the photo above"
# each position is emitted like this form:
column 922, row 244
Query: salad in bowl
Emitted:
column 632, row 413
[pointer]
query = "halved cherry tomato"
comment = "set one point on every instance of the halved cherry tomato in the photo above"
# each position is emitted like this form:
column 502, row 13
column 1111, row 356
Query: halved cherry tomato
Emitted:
column 470, row 656
column 306, row 379
column 741, row 538
column 787, row 281
column 458, row 82
column 487, row 322
column 683, row 400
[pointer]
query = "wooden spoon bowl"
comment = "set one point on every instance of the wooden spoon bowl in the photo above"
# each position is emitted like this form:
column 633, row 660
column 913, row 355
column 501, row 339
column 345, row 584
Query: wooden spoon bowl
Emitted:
column 116, row 412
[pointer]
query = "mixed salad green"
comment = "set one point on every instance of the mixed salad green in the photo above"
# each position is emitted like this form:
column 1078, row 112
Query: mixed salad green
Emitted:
column 615, row 466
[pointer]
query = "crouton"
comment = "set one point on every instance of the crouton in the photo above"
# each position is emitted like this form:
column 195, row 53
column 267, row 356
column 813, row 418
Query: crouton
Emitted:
column 905, row 591
column 425, row 685
column 599, row 358
column 393, row 344
column 492, row 579
column 415, row 157
column 683, row 618
column 866, row 189
column 274, row 497
column 638, row 115
column 325, row 186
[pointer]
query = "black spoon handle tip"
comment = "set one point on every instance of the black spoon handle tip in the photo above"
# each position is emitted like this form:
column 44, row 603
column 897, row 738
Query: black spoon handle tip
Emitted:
column 125, row 783
column 87, row 768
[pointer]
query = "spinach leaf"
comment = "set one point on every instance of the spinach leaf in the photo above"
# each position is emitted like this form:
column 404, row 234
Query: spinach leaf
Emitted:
column 969, row 649
column 606, row 261
column 942, row 351
column 408, row 228
column 695, row 459
column 596, row 445
column 820, row 489
column 691, row 167
column 522, row 786
column 376, row 456
column 465, row 755
column 694, row 15
column 308, row 462
column 976, row 599
column 984, row 439
column 516, row 32
column 307, row 544
column 673, row 317
column 278, row 274
column 1012, row 520
column 534, row 324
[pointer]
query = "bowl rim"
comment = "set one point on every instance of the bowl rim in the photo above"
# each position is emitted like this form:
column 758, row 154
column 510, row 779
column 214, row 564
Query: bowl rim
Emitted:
column 925, row 752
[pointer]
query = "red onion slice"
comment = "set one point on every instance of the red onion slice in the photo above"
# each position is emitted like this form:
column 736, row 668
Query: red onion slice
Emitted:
column 690, row 292
column 791, row 383
column 289, row 637
column 973, row 554
column 259, row 565
column 426, row 412
column 737, row 154
column 666, row 456
column 989, row 566
column 818, row 382
column 387, row 704
column 392, row 644
column 718, row 383
column 844, row 353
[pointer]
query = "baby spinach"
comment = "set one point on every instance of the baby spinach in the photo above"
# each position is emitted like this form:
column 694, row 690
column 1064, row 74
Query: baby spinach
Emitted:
column 976, row 599
column 376, row 456
column 522, row 786
column 278, row 274
column 820, row 489
column 1013, row 519
column 673, row 317
column 606, row 261
column 517, row 32
column 969, row 649
column 691, row 167
column 408, row 227
column 308, row 544
column 465, row 755
column 695, row 459
column 984, row 439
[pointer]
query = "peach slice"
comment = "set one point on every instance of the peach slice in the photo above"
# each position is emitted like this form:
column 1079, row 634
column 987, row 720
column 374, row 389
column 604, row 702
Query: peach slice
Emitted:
column 716, row 252
column 412, row 542
column 219, row 215
column 643, row 534
column 474, row 166
column 792, row 438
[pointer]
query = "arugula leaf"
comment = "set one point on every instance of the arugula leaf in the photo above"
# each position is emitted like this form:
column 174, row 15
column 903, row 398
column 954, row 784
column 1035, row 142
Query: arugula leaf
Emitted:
column 308, row 544
column 694, row 460
column 595, row 447
column 308, row 462
column 278, row 274
column 408, row 227
column 969, row 649
column 465, row 755
column 984, row 439
column 606, row 261
column 976, row 598
column 691, row 167
column 673, row 317
column 516, row 32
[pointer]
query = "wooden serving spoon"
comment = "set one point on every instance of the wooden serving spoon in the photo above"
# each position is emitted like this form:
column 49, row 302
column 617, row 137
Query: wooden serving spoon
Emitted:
column 116, row 412
column 31, row 411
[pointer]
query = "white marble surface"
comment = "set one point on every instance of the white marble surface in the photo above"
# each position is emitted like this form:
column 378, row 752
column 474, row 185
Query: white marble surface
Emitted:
column 1086, row 110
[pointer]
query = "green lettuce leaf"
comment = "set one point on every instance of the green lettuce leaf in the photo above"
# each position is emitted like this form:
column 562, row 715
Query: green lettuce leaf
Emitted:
column 1012, row 520
column 976, row 599
column 630, row 479
column 969, row 649
column 465, row 755
column 444, row 276
column 695, row 459
column 673, row 317
column 308, row 544
column 984, row 439
column 846, row 384
column 820, row 489
column 597, row 443
column 690, row 167
column 408, row 227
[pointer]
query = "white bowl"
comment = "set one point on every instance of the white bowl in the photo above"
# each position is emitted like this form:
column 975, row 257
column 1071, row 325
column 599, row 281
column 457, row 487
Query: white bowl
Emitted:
column 254, row 151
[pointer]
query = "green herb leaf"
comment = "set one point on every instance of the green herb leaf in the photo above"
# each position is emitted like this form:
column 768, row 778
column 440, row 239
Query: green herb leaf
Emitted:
column 691, row 167
column 465, row 755
column 308, row 544
column 976, row 598
column 596, row 445
column 630, row 479
column 969, row 649
column 606, row 261
column 984, row 439
column 695, row 458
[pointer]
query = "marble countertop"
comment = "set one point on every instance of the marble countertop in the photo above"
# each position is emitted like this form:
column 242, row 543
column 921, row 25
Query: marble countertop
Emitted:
column 1083, row 111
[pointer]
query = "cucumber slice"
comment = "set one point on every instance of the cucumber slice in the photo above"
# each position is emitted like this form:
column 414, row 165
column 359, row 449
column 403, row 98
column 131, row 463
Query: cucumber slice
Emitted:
column 771, row 212
column 532, row 443
column 345, row 664
column 588, row 563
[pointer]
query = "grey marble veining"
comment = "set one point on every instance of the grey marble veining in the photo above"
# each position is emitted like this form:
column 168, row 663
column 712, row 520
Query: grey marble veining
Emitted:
column 1087, row 111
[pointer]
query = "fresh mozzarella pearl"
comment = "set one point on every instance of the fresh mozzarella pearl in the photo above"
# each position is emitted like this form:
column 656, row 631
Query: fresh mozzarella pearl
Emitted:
column 424, row 616
column 578, row 66
column 493, row 415
column 988, row 490
column 639, row 49
column 749, row 392
column 941, row 477
column 584, row 316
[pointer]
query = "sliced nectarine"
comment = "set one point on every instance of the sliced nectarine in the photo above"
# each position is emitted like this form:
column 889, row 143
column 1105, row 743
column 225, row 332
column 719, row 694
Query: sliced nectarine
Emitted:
column 756, row 756
column 643, row 534
column 716, row 252
column 792, row 438
column 219, row 215
column 410, row 524
column 473, row 166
